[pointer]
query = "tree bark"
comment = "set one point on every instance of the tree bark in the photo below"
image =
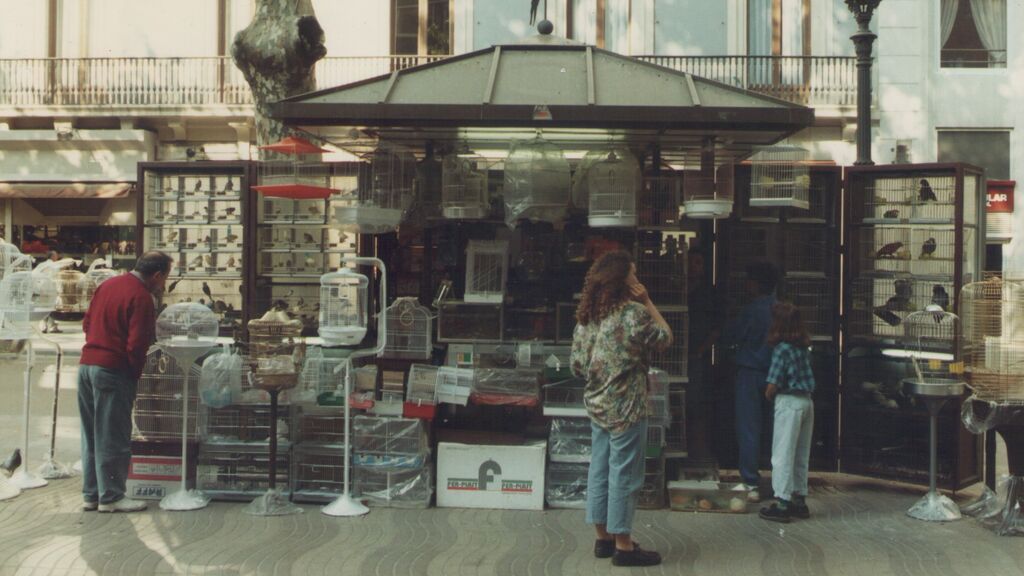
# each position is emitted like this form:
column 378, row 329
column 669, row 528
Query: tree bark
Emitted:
column 277, row 53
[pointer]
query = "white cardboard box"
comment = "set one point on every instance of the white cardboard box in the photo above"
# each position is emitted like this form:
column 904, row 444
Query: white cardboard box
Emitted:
column 488, row 476
column 153, row 477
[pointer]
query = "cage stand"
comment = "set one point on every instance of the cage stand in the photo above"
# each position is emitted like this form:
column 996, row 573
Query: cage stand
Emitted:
column 52, row 469
column 934, row 506
column 22, row 477
column 184, row 499
column 272, row 502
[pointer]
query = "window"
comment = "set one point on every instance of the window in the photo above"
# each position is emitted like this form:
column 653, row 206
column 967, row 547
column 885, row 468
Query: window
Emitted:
column 778, row 28
column 973, row 33
column 421, row 27
column 602, row 23
column 988, row 149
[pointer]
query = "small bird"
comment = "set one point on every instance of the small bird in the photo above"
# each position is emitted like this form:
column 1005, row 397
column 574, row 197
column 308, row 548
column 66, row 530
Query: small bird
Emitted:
column 894, row 213
column 173, row 285
column 928, row 248
column 308, row 238
column 231, row 261
column 199, row 186
column 172, row 236
column 196, row 262
column 230, row 210
column 940, row 297
column 301, row 303
column 926, row 194
column 12, row 462
column 288, row 264
column 230, row 186
column 889, row 250
column 219, row 307
column 314, row 210
column 207, row 239
column 208, row 260
column 207, row 291
column 230, row 238
column 888, row 317
column 309, row 261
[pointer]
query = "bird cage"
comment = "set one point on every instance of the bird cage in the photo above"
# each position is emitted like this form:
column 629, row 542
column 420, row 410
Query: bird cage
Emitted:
column 708, row 197
column 377, row 206
column 187, row 325
column 410, row 330
column 464, row 190
column 296, row 171
column 274, row 334
column 486, row 271
column 992, row 341
column 44, row 294
column 570, row 440
column 930, row 335
column 70, row 297
column 537, row 182
column 321, row 375
column 659, row 204
column 779, row 177
column 565, row 484
column 12, row 260
column 92, row 279
column 651, row 495
column 16, row 306
column 343, row 307
column 611, row 182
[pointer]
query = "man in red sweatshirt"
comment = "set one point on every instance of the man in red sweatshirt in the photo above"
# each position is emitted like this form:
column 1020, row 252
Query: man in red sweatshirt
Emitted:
column 119, row 329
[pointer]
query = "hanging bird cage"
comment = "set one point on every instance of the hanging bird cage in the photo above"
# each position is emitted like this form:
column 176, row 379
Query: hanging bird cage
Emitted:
column 992, row 341
column 707, row 197
column 486, row 271
column 294, row 170
column 537, row 182
column 779, row 177
column 96, row 274
column 410, row 330
column 187, row 325
column 70, row 298
column 16, row 290
column 464, row 191
column 377, row 206
column 344, row 299
column 610, row 180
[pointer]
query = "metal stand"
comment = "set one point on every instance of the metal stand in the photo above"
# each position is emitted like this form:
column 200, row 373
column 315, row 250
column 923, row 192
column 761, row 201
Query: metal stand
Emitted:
column 934, row 506
column 272, row 503
column 185, row 499
column 52, row 469
column 345, row 505
column 23, row 478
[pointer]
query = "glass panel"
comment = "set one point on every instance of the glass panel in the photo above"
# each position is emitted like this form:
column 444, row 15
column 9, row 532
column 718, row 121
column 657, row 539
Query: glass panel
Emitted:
column 438, row 27
column 973, row 33
column 406, row 26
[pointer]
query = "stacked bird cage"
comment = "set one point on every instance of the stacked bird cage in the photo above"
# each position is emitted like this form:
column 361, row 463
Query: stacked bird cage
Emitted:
column 652, row 491
column 933, row 250
column 566, row 484
column 659, row 203
column 293, row 169
column 537, row 182
column 378, row 206
column 421, row 392
column 611, row 183
column 410, row 330
column 486, row 271
column 709, row 197
column 885, row 248
column 464, row 187
column 158, row 400
column 392, row 462
column 812, row 294
column 992, row 345
column 239, row 471
column 661, row 267
column 780, row 177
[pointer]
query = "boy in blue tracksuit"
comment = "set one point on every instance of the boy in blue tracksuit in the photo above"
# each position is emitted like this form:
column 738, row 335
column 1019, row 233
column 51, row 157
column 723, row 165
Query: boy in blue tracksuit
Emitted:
column 748, row 335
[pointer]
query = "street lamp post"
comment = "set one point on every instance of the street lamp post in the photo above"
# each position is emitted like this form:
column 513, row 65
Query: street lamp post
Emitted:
column 862, row 41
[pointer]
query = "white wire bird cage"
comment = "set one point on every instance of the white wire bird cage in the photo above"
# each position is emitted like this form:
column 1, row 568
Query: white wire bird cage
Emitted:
column 537, row 182
column 96, row 274
column 610, row 181
column 992, row 342
column 12, row 260
column 464, row 190
column 378, row 206
column 486, row 271
column 708, row 197
column 292, row 168
column 44, row 294
column 322, row 376
column 343, row 307
column 779, row 177
column 16, row 306
column 410, row 330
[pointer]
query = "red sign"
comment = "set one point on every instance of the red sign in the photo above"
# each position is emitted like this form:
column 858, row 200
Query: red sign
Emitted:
column 1000, row 196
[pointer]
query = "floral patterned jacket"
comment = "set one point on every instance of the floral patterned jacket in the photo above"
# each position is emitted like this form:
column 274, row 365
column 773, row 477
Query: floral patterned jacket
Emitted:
column 613, row 356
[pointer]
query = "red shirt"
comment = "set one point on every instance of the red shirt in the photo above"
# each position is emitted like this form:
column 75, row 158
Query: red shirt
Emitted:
column 120, row 325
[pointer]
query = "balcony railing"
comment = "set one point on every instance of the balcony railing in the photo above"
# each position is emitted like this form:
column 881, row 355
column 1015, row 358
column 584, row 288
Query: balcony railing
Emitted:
column 205, row 82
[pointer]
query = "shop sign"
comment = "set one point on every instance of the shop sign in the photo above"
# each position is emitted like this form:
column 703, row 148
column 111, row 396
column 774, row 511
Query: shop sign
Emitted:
column 1000, row 196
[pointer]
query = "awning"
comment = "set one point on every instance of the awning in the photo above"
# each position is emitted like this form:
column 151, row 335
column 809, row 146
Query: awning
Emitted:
column 93, row 190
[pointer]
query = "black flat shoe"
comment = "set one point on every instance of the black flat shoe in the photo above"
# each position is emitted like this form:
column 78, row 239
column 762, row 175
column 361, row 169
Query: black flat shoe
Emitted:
column 604, row 548
column 775, row 514
column 636, row 557
column 800, row 511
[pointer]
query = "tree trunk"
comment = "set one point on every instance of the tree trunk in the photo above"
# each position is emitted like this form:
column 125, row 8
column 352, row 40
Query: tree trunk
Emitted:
column 277, row 53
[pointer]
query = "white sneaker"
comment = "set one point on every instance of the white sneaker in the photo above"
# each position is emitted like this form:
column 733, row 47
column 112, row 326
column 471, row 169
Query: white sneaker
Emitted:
column 88, row 506
column 124, row 505
column 753, row 496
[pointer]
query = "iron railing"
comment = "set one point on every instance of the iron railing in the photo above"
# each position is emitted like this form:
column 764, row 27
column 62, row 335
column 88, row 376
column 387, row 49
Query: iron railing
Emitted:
column 215, row 81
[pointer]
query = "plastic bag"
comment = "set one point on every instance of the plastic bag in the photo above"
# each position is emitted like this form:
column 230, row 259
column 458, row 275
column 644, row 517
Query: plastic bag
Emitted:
column 220, row 379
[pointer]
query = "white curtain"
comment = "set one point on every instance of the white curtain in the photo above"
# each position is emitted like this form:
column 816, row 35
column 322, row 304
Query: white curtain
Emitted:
column 759, row 40
column 990, row 20
column 616, row 26
column 949, row 10
column 792, row 40
column 584, row 21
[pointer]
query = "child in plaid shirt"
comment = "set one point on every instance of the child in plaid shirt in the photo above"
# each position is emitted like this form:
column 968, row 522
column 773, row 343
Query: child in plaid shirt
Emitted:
column 790, row 385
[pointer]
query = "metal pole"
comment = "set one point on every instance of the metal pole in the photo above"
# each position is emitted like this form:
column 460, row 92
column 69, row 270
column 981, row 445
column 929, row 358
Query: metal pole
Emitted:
column 933, row 449
column 273, row 438
column 862, row 41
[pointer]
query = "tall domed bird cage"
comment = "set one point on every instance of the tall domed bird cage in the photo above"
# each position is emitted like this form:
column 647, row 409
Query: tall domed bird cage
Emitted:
column 708, row 197
column 293, row 169
column 70, row 298
column 186, row 331
column 344, row 299
column 97, row 274
column 486, row 271
column 930, row 338
column 464, row 190
column 537, row 182
column 993, row 356
column 377, row 206
column 410, row 330
column 779, row 177
column 608, row 182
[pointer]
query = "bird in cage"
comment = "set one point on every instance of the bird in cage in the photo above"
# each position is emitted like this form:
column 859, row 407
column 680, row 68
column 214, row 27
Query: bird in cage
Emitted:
column 231, row 262
column 207, row 291
column 940, row 297
column 230, row 185
column 925, row 193
column 310, row 262
column 894, row 213
column 168, row 189
column 308, row 238
column 196, row 262
column 231, row 238
column 207, row 240
column 314, row 210
column 172, row 236
column 890, row 250
column 230, row 210
column 199, row 186
column 173, row 285
column 928, row 248
column 900, row 302
column 208, row 260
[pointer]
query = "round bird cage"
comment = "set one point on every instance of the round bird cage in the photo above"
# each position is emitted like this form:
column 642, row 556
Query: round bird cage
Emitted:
column 464, row 193
column 186, row 326
column 410, row 330
column 274, row 335
column 16, row 291
column 707, row 197
column 779, row 177
column 70, row 296
column 343, row 307
column 377, row 206
column 930, row 337
column 293, row 169
column 12, row 260
column 537, row 182
column 992, row 341
column 610, row 181
column 96, row 274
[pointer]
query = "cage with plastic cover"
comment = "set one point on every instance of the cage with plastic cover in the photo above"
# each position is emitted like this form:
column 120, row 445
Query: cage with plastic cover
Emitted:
column 16, row 306
column 12, row 260
column 566, row 484
column 464, row 189
column 410, row 330
column 343, row 307
column 608, row 183
column 70, row 297
column 992, row 344
column 708, row 197
column 486, row 271
column 292, row 168
column 97, row 274
column 186, row 325
column 780, row 177
column 537, row 182
column 379, row 203
column 322, row 375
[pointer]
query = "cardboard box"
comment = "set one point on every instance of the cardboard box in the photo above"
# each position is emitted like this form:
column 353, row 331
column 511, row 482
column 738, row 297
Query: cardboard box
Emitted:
column 153, row 477
column 491, row 476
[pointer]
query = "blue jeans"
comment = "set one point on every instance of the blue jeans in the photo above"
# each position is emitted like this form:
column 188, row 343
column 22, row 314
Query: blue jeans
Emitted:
column 791, row 445
column 105, row 400
column 750, row 385
column 615, row 476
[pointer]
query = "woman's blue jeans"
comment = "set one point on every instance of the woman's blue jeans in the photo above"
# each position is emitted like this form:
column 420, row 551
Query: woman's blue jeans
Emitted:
column 615, row 477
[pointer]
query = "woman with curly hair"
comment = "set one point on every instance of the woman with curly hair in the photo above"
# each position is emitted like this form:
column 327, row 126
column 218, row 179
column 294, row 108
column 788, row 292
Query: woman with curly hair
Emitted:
column 617, row 329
